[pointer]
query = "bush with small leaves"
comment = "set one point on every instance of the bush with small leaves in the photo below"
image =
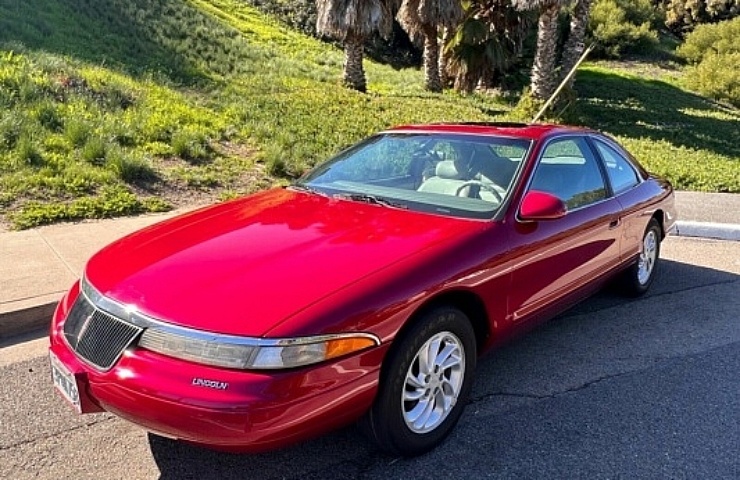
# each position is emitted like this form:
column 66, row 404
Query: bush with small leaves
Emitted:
column 716, row 76
column 620, row 26
column 719, row 38
column 714, row 51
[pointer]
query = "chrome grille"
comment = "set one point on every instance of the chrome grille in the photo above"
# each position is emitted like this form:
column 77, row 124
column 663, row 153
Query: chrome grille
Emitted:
column 96, row 336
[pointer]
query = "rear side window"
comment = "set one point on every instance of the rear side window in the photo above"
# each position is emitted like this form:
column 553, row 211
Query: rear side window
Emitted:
column 569, row 170
column 621, row 173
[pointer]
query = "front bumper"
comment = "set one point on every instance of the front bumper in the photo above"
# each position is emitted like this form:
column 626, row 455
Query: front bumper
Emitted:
column 256, row 411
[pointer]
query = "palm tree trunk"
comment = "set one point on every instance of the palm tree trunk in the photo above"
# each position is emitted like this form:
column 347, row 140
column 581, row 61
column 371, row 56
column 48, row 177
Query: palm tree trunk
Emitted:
column 544, row 80
column 431, row 59
column 574, row 45
column 354, row 74
column 444, row 57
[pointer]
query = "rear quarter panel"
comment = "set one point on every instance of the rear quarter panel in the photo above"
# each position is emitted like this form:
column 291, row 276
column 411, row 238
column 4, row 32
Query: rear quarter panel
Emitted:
column 640, row 204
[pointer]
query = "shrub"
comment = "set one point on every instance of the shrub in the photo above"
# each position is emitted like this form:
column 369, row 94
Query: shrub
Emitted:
column 718, row 38
column 11, row 127
column 622, row 25
column 28, row 152
column 715, row 52
column 49, row 117
column 130, row 168
column 94, row 151
column 190, row 146
column 76, row 132
column 716, row 76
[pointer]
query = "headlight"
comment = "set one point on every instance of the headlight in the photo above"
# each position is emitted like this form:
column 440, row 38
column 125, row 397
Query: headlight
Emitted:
column 252, row 353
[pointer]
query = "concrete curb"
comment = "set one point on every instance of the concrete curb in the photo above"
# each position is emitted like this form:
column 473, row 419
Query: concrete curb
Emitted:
column 719, row 231
column 26, row 320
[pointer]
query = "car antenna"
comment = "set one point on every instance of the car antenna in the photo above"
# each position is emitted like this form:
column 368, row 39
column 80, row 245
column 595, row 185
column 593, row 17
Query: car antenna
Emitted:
column 563, row 83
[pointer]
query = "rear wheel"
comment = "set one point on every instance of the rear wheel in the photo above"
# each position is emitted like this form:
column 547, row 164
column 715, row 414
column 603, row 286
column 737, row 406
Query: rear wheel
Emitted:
column 425, row 384
column 637, row 278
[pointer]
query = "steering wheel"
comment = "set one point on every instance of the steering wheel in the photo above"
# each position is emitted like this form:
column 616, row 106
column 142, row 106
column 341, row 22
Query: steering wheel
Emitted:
column 484, row 186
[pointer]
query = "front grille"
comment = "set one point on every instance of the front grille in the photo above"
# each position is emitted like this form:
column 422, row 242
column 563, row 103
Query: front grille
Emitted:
column 96, row 336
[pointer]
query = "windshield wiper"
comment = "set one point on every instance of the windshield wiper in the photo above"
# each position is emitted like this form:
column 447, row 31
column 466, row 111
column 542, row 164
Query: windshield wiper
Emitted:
column 302, row 187
column 367, row 198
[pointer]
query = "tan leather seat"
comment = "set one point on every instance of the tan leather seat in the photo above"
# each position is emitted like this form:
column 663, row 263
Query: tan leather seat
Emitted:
column 447, row 180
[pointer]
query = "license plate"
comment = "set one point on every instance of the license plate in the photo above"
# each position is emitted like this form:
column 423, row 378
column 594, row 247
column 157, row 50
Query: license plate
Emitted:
column 65, row 382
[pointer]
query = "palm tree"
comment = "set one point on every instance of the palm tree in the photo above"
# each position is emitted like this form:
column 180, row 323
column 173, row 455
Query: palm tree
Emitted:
column 574, row 45
column 544, row 80
column 422, row 19
column 444, row 56
column 487, row 44
column 352, row 22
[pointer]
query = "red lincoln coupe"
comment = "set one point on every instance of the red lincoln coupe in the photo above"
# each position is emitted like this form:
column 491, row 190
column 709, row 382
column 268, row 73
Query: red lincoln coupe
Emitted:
column 365, row 291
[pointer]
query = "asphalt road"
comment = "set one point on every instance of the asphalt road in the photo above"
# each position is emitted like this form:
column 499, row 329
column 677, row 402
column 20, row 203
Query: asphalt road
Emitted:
column 615, row 388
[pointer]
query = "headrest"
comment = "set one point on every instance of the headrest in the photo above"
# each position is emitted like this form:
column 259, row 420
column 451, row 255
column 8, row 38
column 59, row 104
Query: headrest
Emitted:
column 446, row 169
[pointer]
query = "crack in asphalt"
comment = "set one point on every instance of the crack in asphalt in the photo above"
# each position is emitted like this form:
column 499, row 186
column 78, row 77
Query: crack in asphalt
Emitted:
column 57, row 434
column 482, row 398
column 658, row 361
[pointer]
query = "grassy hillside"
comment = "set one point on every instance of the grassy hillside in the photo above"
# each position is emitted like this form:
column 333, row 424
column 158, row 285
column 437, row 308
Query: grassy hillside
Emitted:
column 111, row 107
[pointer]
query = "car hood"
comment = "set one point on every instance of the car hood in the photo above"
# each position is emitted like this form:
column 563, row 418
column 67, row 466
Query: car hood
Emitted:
column 244, row 266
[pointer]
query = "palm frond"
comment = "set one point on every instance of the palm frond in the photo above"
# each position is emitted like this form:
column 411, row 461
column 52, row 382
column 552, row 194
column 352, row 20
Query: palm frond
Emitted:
column 415, row 15
column 340, row 19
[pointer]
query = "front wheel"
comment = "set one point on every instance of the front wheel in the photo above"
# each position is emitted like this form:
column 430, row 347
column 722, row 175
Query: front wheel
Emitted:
column 425, row 384
column 639, row 276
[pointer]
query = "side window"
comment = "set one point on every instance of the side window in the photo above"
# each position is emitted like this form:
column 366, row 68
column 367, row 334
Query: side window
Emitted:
column 568, row 170
column 621, row 173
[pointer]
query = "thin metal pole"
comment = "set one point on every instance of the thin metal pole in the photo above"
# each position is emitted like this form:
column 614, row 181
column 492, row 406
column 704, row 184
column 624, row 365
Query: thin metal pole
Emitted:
column 563, row 83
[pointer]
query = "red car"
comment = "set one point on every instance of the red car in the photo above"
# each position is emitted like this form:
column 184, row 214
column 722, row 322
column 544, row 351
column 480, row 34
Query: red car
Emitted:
column 365, row 291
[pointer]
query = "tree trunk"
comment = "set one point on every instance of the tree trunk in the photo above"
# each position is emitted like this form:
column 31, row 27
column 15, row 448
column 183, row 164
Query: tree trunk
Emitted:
column 544, row 81
column 464, row 82
column 444, row 57
column 431, row 59
column 354, row 74
column 574, row 45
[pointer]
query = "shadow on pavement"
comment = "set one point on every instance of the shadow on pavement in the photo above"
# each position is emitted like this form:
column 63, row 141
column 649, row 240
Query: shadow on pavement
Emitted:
column 555, row 401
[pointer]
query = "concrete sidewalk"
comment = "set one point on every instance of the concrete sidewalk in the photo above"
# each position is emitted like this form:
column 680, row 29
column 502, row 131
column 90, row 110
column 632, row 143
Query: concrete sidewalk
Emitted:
column 37, row 266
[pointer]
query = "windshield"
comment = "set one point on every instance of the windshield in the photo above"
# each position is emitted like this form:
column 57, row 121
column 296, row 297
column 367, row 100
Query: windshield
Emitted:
column 460, row 175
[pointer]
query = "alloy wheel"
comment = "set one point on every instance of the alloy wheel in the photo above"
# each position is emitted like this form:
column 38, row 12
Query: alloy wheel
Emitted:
column 433, row 382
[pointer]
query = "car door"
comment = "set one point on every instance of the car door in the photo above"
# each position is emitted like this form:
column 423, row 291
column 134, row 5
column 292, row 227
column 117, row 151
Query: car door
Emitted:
column 555, row 259
column 625, row 180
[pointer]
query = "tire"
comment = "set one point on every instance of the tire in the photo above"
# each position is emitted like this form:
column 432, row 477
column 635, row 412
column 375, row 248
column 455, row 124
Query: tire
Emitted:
column 414, row 413
column 637, row 279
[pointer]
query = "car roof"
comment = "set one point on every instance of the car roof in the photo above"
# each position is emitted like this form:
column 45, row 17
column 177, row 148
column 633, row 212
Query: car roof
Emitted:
column 533, row 131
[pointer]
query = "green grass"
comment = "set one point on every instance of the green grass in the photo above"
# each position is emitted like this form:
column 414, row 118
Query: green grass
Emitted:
column 116, row 107
column 692, row 141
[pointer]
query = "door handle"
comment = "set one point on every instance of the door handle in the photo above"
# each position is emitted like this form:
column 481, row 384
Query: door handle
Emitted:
column 614, row 223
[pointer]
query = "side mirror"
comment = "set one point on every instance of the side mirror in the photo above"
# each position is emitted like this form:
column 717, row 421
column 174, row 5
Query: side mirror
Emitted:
column 539, row 206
